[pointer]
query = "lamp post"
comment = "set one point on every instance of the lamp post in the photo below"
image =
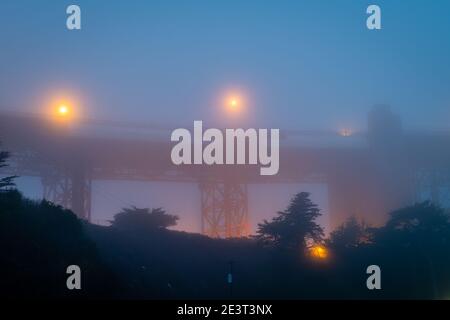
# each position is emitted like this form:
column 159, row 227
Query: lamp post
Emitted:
column 230, row 278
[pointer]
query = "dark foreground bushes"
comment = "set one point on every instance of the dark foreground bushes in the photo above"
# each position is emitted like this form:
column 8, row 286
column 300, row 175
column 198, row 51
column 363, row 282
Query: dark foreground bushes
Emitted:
column 39, row 240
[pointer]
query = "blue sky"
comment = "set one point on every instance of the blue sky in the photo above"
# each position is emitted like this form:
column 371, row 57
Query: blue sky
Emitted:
column 299, row 64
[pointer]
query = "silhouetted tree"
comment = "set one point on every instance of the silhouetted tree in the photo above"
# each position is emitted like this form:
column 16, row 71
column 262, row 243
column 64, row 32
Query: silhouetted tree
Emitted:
column 143, row 219
column 350, row 234
column 417, row 238
column 294, row 227
column 5, row 182
column 420, row 224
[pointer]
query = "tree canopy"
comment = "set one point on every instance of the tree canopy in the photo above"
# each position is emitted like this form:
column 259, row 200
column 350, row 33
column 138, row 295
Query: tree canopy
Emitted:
column 143, row 219
column 295, row 227
column 351, row 234
column 5, row 182
column 417, row 225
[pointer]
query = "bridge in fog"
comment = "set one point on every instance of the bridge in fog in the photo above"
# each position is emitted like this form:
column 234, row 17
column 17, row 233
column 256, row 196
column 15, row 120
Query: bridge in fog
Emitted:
column 367, row 174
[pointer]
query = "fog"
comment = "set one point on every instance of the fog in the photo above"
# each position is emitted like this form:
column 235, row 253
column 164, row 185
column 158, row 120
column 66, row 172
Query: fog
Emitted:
column 310, row 69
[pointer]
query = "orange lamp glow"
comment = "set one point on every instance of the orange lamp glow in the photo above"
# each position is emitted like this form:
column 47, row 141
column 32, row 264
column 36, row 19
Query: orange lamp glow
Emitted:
column 234, row 104
column 63, row 110
column 319, row 252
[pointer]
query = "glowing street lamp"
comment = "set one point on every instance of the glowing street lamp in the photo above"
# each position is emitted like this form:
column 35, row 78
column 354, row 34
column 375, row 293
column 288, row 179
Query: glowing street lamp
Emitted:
column 319, row 252
column 63, row 110
column 234, row 104
column 345, row 132
column 62, row 114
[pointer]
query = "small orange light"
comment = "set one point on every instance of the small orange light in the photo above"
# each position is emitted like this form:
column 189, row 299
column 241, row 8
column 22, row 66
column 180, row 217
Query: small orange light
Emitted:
column 345, row 132
column 234, row 104
column 63, row 109
column 63, row 112
column 319, row 252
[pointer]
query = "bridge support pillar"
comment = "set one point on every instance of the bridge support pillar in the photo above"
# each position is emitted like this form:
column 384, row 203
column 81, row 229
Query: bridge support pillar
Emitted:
column 71, row 190
column 56, row 188
column 224, row 209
